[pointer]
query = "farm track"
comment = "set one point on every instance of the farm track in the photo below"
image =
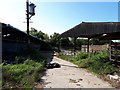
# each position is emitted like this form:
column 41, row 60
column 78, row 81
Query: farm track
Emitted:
column 70, row 76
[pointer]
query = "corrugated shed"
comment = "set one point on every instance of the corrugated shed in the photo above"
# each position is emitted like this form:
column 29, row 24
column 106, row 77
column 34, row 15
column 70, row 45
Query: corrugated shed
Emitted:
column 16, row 34
column 93, row 30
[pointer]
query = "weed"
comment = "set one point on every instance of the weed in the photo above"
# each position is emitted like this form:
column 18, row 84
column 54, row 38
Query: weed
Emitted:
column 26, row 70
column 82, row 56
column 98, row 63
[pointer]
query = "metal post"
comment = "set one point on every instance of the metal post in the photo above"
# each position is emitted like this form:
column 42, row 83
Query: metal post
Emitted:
column 88, row 45
column 27, row 6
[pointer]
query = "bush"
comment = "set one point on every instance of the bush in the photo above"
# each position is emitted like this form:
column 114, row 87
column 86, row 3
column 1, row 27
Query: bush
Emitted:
column 25, row 72
column 98, row 63
column 103, row 57
column 82, row 56
column 22, row 74
column 32, row 55
column 85, row 63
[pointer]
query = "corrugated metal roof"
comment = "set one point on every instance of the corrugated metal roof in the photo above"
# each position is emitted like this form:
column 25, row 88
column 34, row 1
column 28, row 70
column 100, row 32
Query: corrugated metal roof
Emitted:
column 21, row 31
column 16, row 33
column 92, row 29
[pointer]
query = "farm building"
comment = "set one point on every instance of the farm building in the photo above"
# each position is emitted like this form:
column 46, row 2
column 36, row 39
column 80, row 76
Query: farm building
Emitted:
column 14, row 40
column 100, row 30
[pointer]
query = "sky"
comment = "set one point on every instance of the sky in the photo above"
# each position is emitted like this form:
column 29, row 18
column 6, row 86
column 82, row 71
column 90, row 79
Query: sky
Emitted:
column 57, row 16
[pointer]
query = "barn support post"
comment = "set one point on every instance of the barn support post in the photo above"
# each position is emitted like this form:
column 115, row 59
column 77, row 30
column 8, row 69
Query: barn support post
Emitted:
column 110, row 49
column 88, row 45
column 58, row 45
column 75, row 46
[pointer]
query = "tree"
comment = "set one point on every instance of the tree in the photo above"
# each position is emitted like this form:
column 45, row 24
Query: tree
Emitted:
column 33, row 30
column 42, row 36
column 54, row 39
column 46, row 38
column 95, row 41
column 65, row 42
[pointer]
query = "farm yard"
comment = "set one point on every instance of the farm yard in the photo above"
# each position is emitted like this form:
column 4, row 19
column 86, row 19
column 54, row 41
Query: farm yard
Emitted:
column 80, row 69
column 60, row 50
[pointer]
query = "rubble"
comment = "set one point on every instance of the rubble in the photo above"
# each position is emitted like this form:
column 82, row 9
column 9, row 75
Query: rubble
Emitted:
column 115, row 77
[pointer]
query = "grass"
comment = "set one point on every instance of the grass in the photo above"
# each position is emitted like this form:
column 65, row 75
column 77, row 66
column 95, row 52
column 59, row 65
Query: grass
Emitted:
column 66, row 57
column 25, row 72
column 99, row 63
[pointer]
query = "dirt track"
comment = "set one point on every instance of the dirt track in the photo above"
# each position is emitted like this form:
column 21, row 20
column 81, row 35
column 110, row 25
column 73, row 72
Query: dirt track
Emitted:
column 71, row 76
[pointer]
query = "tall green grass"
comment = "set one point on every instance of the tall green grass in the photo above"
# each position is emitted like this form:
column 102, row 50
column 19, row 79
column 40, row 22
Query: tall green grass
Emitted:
column 22, row 74
column 25, row 72
column 32, row 55
column 98, row 63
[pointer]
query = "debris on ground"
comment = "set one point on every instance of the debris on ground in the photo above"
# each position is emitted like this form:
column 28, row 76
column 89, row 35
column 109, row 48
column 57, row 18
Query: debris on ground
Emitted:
column 64, row 77
column 52, row 65
column 72, row 81
column 78, row 84
column 80, row 79
column 116, row 77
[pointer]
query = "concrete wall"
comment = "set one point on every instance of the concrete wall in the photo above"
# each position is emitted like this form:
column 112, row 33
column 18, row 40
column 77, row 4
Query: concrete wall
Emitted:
column 94, row 48
column 9, row 46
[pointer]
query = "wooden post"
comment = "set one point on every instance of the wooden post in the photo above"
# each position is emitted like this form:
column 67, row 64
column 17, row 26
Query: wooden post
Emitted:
column 88, row 45
column 28, row 39
column 75, row 45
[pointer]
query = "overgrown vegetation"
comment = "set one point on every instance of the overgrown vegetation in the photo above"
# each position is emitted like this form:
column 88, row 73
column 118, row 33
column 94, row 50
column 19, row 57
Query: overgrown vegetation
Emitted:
column 98, row 63
column 25, row 72
column 51, row 42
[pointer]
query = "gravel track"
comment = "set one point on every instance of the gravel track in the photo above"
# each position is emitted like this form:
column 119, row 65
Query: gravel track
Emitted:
column 71, row 76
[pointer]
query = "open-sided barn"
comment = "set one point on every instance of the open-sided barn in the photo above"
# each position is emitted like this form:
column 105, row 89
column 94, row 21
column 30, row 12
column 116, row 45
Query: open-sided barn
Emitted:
column 15, row 40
